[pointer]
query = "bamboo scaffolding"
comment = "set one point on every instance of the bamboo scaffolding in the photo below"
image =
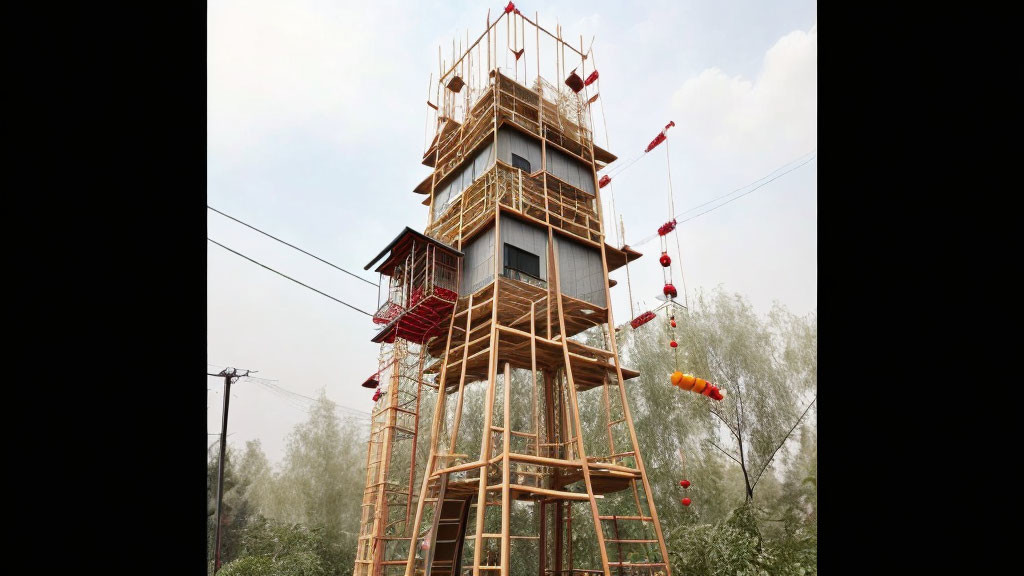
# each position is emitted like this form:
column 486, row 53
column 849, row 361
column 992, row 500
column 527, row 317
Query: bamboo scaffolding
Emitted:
column 506, row 325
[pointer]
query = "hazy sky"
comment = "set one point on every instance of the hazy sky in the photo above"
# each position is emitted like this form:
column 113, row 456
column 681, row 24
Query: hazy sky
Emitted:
column 316, row 118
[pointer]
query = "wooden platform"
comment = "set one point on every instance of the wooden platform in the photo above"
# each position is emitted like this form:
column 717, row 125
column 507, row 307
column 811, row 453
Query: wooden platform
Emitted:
column 590, row 366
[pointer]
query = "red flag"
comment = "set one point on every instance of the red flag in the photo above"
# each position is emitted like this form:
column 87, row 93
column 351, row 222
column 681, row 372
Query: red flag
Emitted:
column 660, row 137
column 510, row 7
column 518, row 54
column 604, row 181
column 590, row 79
column 593, row 99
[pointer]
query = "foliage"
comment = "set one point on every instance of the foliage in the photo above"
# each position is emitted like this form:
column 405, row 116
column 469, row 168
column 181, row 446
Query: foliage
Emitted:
column 236, row 507
column 735, row 546
column 277, row 549
column 302, row 516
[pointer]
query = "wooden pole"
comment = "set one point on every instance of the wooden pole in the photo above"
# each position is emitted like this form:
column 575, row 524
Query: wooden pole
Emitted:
column 575, row 406
column 506, row 505
column 533, row 376
column 462, row 377
column 415, row 436
column 622, row 383
column 434, row 431
column 485, row 448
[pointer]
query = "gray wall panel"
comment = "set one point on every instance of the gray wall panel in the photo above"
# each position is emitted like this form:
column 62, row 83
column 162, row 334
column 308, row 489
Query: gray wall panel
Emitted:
column 533, row 239
column 579, row 271
column 570, row 170
column 460, row 180
column 561, row 165
column 478, row 263
column 513, row 142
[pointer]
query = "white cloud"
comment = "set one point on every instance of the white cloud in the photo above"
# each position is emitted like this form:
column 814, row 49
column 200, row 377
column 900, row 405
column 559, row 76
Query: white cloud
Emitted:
column 732, row 130
column 774, row 113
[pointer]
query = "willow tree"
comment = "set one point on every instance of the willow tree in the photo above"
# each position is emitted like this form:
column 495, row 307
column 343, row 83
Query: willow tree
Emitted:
column 320, row 482
column 768, row 369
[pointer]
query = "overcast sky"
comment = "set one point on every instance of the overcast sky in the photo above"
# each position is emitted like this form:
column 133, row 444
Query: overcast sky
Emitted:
column 316, row 119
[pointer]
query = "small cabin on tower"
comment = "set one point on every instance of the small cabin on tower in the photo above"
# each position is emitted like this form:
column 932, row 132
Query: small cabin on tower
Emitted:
column 423, row 285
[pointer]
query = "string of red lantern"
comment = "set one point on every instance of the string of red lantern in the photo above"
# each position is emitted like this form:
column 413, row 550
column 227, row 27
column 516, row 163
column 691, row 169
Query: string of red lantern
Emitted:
column 678, row 379
column 619, row 169
column 684, row 482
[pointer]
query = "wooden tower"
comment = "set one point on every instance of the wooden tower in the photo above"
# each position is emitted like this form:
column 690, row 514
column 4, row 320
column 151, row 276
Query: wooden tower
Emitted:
column 532, row 465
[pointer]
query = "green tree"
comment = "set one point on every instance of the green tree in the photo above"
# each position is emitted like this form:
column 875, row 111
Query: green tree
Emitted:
column 767, row 366
column 276, row 549
column 321, row 481
column 236, row 507
column 768, row 370
column 254, row 469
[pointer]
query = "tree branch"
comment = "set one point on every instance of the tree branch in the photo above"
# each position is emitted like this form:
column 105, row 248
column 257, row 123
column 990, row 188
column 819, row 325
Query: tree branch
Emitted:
column 719, row 364
column 726, row 453
column 784, row 438
column 724, row 421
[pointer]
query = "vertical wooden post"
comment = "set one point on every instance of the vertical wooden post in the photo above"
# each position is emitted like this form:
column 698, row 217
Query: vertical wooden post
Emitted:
column 608, row 416
column 542, row 565
column 618, row 373
column 416, row 432
column 462, row 377
column 506, row 505
column 533, row 377
column 485, row 448
column 431, row 458
column 582, row 454
column 560, row 529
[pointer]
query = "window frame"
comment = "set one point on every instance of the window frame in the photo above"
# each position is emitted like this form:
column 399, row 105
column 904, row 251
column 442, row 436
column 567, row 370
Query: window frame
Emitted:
column 529, row 167
column 506, row 262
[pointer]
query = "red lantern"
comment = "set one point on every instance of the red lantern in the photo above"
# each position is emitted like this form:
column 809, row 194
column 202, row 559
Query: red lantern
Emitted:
column 684, row 483
column 667, row 227
column 665, row 260
column 673, row 323
column 642, row 319
column 670, row 291
column 673, row 344
column 686, row 501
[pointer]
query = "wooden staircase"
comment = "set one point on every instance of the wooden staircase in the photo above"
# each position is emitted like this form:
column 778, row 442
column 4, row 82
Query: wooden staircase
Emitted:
column 450, row 525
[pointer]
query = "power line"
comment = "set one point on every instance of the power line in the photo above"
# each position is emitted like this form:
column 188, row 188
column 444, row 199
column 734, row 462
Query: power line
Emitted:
column 287, row 391
column 653, row 236
column 270, row 384
column 296, row 401
column 292, row 246
column 747, row 186
column 289, row 277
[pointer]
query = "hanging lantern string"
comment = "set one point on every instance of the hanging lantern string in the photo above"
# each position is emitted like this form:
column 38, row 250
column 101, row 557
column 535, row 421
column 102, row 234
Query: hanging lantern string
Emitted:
column 619, row 169
column 672, row 210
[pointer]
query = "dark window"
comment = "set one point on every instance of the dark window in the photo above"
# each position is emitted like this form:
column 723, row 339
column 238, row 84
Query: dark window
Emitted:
column 521, row 163
column 521, row 261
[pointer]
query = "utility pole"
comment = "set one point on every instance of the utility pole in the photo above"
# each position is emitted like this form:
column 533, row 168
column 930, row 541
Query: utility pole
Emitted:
column 228, row 374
